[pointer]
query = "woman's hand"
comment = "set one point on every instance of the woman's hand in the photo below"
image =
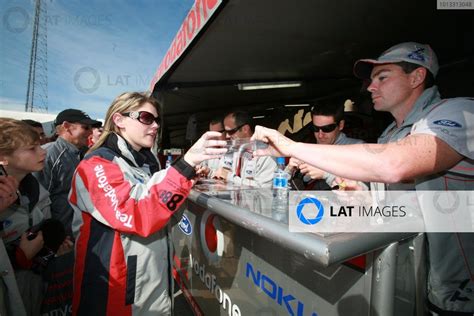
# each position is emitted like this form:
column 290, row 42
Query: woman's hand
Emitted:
column 207, row 147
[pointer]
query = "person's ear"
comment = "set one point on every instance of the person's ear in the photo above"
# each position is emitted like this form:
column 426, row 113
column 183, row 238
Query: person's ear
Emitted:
column 418, row 76
column 246, row 129
column 341, row 125
column 118, row 118
column 66, row 125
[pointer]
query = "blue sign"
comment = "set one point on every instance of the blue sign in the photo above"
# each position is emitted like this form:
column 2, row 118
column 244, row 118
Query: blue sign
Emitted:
column 303, row 218
column 279, row 293
column 185, row 225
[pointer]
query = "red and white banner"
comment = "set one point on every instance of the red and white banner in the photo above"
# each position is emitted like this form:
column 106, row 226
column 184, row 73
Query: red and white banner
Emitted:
column 197, row 17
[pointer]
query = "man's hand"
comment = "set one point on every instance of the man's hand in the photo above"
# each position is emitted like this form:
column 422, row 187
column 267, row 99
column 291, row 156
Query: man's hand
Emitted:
column 279, row 145
column 8, row 191
column 293, row 164
column 348, row 185
column 311, row 171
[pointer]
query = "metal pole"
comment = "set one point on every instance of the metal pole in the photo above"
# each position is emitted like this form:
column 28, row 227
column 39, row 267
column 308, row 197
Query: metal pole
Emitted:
column 383, row 281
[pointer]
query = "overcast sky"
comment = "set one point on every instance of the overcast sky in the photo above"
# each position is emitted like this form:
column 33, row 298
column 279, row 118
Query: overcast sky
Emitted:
column 96, row 49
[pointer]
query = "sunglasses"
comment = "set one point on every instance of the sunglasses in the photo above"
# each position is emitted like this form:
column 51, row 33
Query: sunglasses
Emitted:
column 234, row 130
column 325, row 129
column 143, row 117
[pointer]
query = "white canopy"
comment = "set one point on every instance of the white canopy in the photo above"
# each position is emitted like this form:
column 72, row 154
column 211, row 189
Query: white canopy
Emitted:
column 46, row 119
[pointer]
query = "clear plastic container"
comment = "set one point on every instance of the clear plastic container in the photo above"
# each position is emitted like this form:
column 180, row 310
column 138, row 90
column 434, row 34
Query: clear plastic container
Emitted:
column 244, row 145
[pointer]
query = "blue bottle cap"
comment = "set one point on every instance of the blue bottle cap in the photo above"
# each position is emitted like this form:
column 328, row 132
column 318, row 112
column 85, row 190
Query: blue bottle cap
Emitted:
column 281, row 160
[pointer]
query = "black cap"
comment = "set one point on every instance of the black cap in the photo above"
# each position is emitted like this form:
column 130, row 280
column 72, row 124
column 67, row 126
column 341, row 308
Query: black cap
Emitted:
column 74, row 116
column 97, row 125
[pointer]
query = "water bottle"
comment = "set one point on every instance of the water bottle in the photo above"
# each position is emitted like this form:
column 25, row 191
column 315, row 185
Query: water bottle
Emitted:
column 280, row 189
column 169, row 160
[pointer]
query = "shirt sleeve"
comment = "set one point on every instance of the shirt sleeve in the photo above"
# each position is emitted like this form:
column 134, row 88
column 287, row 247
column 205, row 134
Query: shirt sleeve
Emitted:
column 101, row 188
column 452, row 122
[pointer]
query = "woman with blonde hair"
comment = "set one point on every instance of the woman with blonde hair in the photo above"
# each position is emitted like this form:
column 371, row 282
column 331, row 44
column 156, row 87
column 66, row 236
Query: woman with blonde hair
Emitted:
column 122, row 206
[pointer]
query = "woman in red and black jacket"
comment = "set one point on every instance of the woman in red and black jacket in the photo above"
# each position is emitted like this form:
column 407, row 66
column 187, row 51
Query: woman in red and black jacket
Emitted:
column 122, row 204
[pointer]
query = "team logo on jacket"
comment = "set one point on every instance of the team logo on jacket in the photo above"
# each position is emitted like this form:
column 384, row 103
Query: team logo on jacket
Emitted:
column 212, row 238
column 447, row 123
column 185, row 225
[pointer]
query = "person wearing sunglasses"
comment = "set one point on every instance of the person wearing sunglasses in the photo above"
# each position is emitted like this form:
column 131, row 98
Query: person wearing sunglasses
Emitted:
column 242, row 168
column 327, row 125
column 123, row 204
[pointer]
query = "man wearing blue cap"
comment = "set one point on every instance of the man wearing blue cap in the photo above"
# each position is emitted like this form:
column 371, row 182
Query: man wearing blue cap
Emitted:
column 429, row 146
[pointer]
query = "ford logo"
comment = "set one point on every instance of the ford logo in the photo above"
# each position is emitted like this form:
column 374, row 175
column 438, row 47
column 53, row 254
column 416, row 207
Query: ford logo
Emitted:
column 185, row 225
column 447, row 123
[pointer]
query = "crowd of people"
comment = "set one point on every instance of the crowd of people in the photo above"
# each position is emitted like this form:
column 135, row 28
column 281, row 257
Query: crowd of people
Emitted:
column 105, row 200
column 98, row 194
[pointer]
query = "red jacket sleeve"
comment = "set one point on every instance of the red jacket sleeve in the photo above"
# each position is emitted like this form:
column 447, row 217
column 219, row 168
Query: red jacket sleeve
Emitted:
column 118, row 199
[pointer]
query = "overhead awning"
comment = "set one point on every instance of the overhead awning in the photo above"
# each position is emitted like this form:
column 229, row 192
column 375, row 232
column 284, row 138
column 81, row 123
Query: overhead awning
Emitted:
column 312, row 42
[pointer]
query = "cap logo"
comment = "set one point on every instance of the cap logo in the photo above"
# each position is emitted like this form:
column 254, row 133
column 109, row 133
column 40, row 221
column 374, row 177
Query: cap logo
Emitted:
column 418, row 54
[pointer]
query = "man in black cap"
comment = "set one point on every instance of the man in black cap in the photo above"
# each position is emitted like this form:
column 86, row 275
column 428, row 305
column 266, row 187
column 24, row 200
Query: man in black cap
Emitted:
column 73, row 128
